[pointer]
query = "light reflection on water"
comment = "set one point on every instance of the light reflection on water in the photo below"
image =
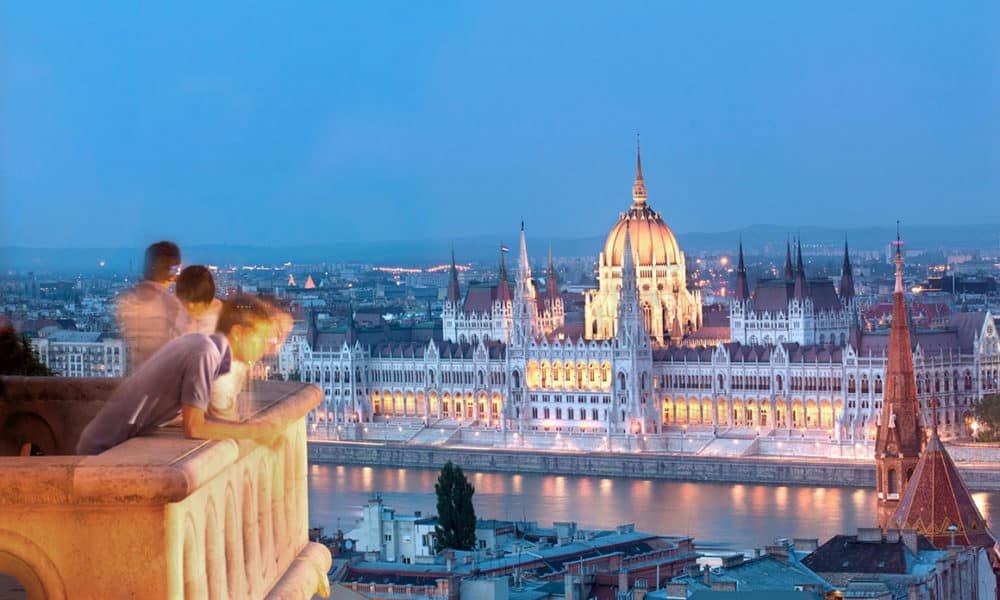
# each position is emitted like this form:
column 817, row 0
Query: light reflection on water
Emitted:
column 739, row 515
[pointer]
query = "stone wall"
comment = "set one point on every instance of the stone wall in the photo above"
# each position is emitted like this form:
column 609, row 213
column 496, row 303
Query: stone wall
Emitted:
column 772, row 471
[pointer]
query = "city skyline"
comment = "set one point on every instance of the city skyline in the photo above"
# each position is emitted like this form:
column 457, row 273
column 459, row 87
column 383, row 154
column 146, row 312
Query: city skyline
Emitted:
column 391, row 123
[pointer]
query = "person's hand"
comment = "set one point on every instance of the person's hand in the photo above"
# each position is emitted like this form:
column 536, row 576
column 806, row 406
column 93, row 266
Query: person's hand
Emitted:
column 267, row 436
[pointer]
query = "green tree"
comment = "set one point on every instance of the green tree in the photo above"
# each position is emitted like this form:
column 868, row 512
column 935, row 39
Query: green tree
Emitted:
column 16, row 355
column 456, row 528
column 988, row 415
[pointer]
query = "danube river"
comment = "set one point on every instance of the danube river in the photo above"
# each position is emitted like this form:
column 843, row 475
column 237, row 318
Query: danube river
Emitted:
column 728, row 515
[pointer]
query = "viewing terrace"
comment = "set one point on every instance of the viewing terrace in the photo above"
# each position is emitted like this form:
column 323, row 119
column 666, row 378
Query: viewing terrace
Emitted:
column 159, row 516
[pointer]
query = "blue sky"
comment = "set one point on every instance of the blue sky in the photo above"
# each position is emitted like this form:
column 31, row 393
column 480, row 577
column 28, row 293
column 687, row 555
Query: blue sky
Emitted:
column 277, row 124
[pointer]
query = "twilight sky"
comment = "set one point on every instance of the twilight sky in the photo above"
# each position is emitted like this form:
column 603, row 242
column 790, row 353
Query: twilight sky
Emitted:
column 278, row 124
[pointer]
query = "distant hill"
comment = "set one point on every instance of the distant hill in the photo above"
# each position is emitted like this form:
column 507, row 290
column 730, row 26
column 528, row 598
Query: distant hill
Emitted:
column 482, row 248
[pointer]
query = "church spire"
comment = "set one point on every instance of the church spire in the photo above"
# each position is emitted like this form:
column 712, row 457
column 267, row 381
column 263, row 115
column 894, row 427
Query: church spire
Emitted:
column 525, row 309
column 551, row 282
column 503, row 287
column 631, row 325
column 453, row 294
column 789, row 274
column 639, row 187
column 800, row 273
column 900, row 435
column 846, row 277
column 742, row 291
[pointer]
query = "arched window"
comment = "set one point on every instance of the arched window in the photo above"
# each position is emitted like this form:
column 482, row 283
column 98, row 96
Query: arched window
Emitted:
column 722, row 382
column 516, row 379
column 642, row 381
column 892, row 481
column 431, row 376
column 864, row 384
column 779, row 383
column 482, row 378
column 878, row 384
column 851, row 385
column 621, row 381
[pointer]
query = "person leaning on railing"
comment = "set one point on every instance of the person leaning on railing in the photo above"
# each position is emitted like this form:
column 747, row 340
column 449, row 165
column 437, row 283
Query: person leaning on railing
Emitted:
column 149, row 315
column 179, row 379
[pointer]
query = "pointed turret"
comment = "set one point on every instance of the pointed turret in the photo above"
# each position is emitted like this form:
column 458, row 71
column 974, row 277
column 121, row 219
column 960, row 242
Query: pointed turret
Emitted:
column 846, row 277
column 936, row 500
column 525, row 309
column 631, row 324
column 800, row 273
column 789, row 274
column 310, row 284
column 454, row 296
column 742, row 290
column 291, row 280
column 900, row 435
column 639, row 187
column 551, row 282
column 503, row 288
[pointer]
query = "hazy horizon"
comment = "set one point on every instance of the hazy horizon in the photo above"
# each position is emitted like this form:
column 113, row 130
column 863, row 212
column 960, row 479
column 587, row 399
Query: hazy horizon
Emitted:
column 266, row 125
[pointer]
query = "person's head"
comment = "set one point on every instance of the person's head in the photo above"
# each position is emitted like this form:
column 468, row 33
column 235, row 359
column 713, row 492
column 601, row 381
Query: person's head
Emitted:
column 246, row 323
column 196, row 289
column 163, row 263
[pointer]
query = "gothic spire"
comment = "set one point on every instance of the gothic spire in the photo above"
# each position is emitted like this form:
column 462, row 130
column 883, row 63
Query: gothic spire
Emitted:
column 453, row 294
column 800, row 273
column 846, row 277
column 631, row 327
column 742, row 291
column 900, row 435
column 789, row 274
column 639, row 187
column 551, row 282
column 503, row 286
column 524, row 297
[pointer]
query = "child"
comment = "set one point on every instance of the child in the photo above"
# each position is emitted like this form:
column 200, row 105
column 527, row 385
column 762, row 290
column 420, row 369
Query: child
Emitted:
column 180, row 377
column 196, row 291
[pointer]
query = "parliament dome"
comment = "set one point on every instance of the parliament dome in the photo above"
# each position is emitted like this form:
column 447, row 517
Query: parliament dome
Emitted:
column 652, row 240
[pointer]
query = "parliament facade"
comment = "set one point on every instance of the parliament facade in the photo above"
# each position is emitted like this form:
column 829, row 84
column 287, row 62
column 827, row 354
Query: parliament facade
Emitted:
column 797, row 361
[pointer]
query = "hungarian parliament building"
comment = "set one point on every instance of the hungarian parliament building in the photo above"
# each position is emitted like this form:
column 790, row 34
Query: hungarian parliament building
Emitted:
column 795, row 361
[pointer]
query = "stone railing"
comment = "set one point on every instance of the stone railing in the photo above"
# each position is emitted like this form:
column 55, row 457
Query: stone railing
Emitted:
column 159, row 516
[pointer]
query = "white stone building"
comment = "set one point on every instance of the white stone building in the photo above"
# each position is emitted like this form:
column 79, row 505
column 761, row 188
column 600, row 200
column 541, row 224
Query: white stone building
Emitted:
column 80, row 353
column 505, row 358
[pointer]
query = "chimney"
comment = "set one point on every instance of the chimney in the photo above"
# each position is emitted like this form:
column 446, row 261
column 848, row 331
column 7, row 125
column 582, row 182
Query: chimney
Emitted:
column 449, row 560
column 806, row 544
column 724, row 586
column 910, row 539
column 869, row 534
column 892, row 536
column 707, row 575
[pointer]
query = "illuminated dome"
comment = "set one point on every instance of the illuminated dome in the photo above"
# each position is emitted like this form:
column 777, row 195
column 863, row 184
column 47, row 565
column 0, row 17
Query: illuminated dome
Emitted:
column 652, row 240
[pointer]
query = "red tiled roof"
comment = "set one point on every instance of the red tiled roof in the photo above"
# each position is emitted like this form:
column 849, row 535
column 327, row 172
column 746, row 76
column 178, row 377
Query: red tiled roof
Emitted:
column 936, row 498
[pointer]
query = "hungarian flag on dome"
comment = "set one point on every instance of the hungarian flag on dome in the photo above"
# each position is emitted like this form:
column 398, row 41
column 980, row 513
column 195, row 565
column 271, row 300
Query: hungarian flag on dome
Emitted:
column 504, row 248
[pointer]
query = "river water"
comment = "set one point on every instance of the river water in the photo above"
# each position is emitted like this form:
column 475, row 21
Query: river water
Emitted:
column 737, row 516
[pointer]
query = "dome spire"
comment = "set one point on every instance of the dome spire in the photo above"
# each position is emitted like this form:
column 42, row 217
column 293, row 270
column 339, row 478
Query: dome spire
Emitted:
column 639, row 187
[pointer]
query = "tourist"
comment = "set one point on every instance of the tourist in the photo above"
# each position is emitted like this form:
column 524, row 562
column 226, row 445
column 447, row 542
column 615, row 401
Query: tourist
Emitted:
column 180, row 377
column 196, row 291
column 149, row 315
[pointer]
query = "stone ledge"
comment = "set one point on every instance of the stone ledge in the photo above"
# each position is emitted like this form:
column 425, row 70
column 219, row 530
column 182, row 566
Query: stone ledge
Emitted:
column 154, row 469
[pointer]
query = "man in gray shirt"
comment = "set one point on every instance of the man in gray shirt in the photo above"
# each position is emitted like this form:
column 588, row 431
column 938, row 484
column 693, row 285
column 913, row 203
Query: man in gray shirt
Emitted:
column 178, row 378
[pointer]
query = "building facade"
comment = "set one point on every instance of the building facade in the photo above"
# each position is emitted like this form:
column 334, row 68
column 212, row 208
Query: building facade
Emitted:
column 798, row 363
column 80, row 353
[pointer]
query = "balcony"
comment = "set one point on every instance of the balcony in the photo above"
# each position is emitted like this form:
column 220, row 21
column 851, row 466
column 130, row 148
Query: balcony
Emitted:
column 158, row 516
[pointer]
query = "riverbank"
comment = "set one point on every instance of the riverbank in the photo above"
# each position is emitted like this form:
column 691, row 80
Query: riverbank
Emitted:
column 762, row 470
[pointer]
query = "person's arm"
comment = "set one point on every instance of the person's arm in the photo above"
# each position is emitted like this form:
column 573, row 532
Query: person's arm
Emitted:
column 198, row 425
column 196, row 391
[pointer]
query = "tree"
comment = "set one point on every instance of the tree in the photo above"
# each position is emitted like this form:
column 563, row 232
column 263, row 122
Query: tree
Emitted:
column 16, row 355
column 988, row 415
column 456, row 528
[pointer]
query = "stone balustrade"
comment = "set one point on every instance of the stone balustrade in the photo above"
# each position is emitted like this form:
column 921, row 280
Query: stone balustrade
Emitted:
column 159, row 516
